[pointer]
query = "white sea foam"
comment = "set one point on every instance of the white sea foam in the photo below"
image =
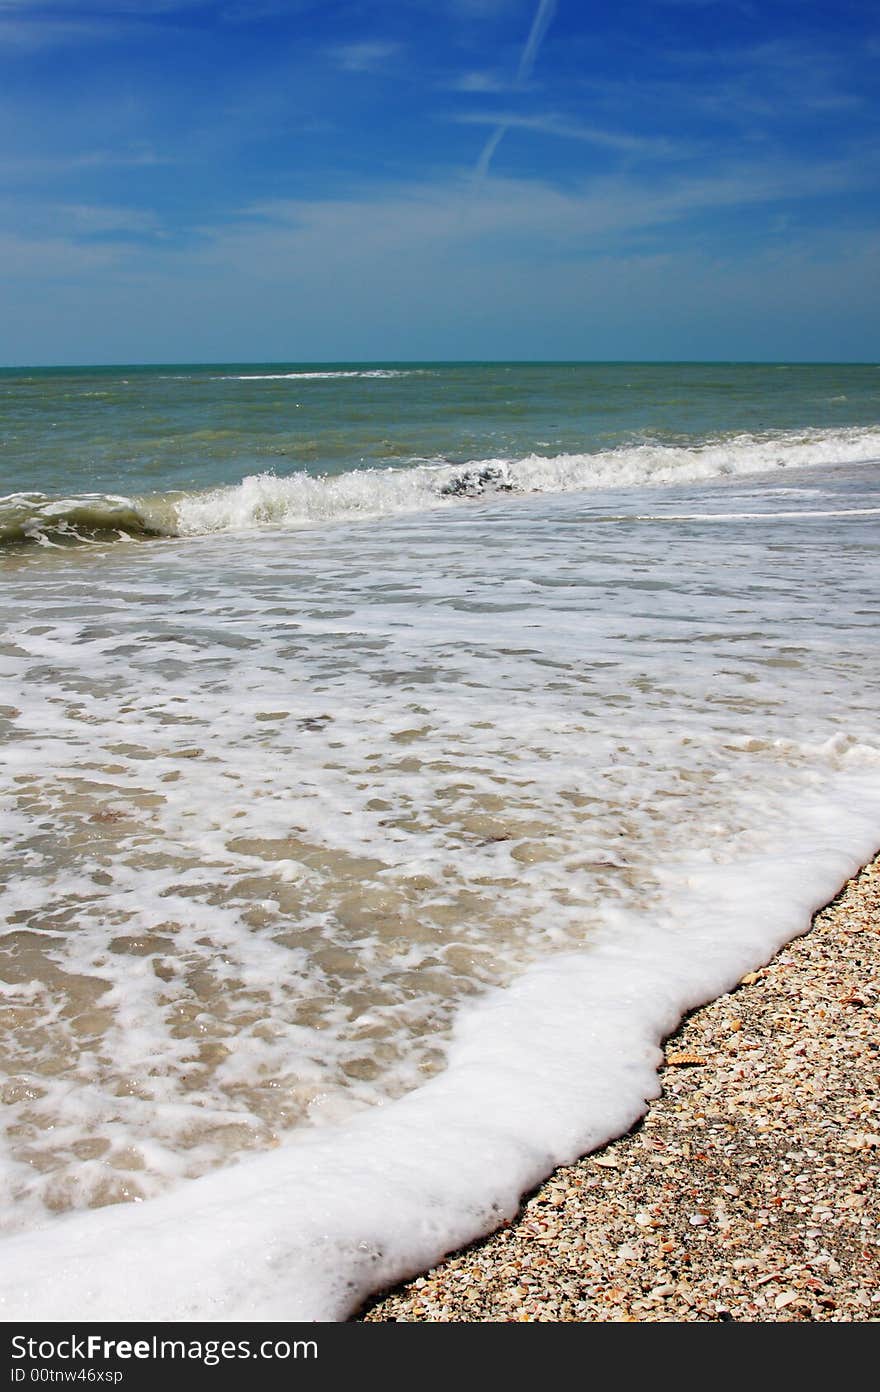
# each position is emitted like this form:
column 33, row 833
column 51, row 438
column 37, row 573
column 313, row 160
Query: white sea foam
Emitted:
column 536, row 1076
column 767, row 516
column 322, row 376
column 379, row 861
column 301, row 499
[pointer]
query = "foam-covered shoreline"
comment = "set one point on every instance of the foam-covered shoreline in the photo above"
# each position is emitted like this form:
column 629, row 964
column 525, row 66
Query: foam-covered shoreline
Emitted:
column 523, row 782
column 749, row 1193
column 309, row 1231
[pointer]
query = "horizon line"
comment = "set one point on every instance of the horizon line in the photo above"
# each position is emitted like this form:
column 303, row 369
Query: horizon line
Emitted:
column 442, row 362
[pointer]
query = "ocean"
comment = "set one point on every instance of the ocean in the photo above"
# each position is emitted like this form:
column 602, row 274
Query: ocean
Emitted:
column 392, row 753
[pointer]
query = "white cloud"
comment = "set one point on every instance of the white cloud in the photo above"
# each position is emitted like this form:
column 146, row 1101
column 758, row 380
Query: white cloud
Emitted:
column 780, row 77
column 47, row 31
column 455, row 219
column 509, row 268
column 367, row 56
column 38, row 167
column 397, row 232
column 481, row 82
column 445, row 222
column 36, row 24
column 102, row 7
column 40, row 259
column 552, row 124
column 101, row 219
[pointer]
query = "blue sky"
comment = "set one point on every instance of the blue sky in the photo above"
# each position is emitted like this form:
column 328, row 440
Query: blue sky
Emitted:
column 208, row 180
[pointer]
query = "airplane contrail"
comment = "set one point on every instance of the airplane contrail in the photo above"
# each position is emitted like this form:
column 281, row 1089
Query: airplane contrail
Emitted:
column 540, row 24
column 481, row 169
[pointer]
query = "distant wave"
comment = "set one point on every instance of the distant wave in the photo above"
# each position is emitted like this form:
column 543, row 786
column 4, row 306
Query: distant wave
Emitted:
column 303, row 499
column 314, row 376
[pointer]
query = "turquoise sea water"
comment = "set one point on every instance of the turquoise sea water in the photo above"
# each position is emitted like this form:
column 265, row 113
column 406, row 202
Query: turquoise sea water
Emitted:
column 391, row 754
column 149, row 430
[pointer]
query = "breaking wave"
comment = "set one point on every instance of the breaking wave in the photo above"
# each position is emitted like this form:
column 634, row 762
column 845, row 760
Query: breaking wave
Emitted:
column 306, row 376
column 303, row 499
column 39, row 519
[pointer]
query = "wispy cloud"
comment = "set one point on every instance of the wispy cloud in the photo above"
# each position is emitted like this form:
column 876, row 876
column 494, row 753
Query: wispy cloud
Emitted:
column 79, row 224
column 788, row 76
column 553, row 124
column 36, row 168
column 368, row 56
column 587, row 220
column 291, row 240
column 29, row 33
column 481, row 82
column 103, row 7
column 540, row 24
column 38, row 24
column 42, row 259
column 101, row 220
column 429, row 267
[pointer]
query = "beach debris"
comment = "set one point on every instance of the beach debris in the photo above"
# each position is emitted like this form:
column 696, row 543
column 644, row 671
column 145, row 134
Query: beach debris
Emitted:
column 314, row 722
column 473, row 483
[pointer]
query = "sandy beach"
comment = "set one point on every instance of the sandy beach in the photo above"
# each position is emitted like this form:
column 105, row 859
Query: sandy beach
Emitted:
column 749, row 1191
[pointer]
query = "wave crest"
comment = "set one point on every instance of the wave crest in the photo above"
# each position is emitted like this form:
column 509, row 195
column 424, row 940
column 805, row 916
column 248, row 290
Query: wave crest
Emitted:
column 302, row 499
column 37, row 518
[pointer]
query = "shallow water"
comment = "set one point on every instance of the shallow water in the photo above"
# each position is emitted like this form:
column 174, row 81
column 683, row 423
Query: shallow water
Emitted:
column 293, row 811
